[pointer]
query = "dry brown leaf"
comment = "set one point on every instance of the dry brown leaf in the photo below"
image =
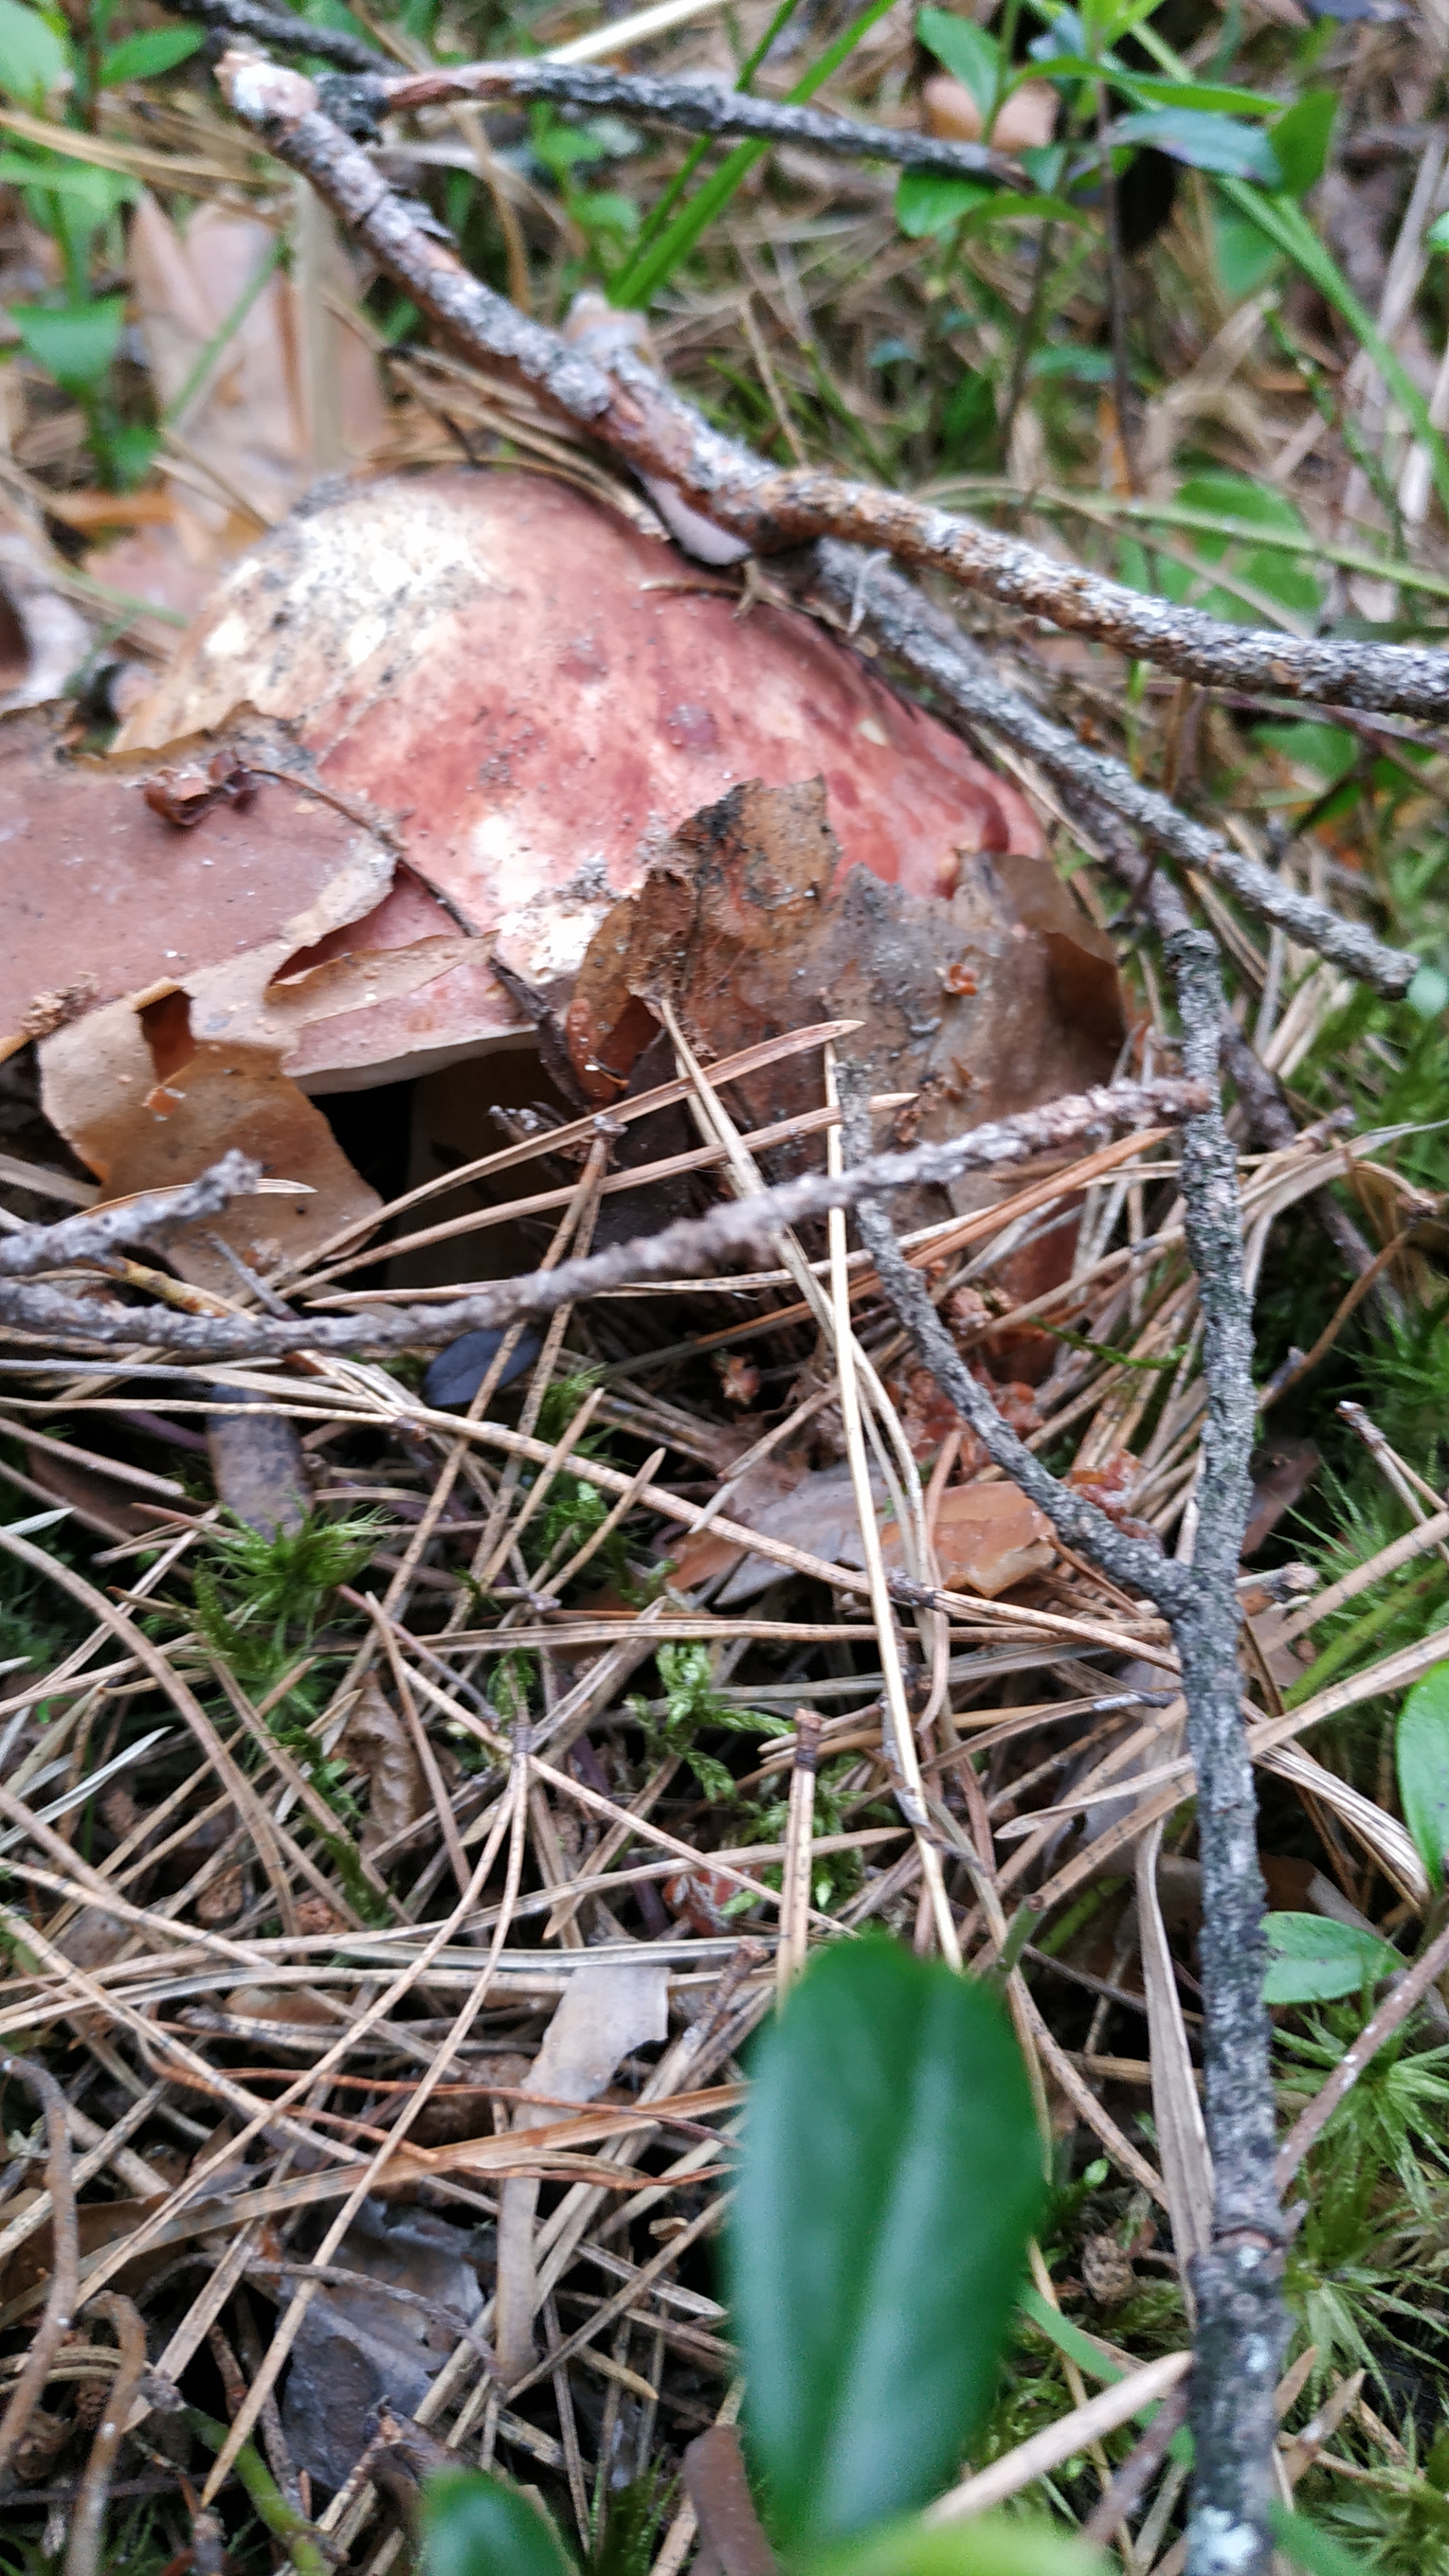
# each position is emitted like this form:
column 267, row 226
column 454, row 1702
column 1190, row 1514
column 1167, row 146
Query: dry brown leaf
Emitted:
column 988, row 1538
column 377, row 1741
column 357, row 2346
column 247, row 445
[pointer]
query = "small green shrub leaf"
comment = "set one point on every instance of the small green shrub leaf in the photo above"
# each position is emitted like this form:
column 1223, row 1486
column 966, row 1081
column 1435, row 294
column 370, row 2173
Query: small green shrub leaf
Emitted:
column 1301, row 138
column 1423, row 1755
column 991, row 2544
column 1288, row 575
column 476, row 2526
column 1312, row 1959
column 155, row 50
column 1204, row 141
column 1428, row 995
column 73, row 343
column 928, row 203
column 891, row 2179
column 966, row 51
column 33, row 58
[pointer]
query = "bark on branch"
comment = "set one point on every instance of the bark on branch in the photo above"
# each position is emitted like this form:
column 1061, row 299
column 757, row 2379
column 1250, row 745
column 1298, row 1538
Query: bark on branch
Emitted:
column 690, row 106
column 693, row 1244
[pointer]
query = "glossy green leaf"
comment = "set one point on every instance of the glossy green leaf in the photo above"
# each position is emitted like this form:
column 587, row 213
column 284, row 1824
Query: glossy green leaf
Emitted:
column 1312, row 1959
column 1428, row 995
column 1305, row 2544
column 990, row 2544
column 143, row 57
column 1205, row 142
column 1437, row 236
column 1301, row 139
column 33, row 58
column 73, row 343
column 476, row 2526
column 1245, row 258
column 1212, row 95
column 967, row 52
column 1219, row 95
column 927, row 202
column 891, row 2179
column 1291, row 580
column 1325, row 750
column 1423, row 1760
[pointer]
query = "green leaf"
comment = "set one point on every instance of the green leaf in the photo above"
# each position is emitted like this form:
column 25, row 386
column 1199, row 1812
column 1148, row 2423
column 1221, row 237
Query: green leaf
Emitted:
column 1423, row 1737
column 1204, row 142
column 1437, row 236
column 1164, row 93
column 1301, row 140
column 1306, row 2545
column 990, row 2544
column 1245, row 257
column 102, row 189
column 1312, row 1959
column 33, row 58
column 73, row 343
column 927, row 202
column 973, row 57
column 476, row 2526
column 1429, row 993
column 158, row 49
column 890, row 2183
column 1292, row 580
column 1209, row 94
column 1325, row 749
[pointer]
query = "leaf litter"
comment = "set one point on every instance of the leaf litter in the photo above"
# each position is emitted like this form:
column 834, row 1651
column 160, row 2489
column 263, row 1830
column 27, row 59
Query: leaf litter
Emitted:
column 555, row 1677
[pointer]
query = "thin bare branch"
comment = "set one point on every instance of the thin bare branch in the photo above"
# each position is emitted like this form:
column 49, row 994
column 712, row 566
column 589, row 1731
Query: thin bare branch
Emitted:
column 691, row 107
column 696, row 1243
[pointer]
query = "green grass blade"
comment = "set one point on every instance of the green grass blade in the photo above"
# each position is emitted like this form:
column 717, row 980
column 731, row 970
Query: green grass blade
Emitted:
column 645, row 275
column 658, row 215
column 1289, row 227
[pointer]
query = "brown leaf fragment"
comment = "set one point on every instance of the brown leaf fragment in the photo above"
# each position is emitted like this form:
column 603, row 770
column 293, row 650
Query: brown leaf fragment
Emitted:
column 988, row 1539
column 730, row 2530
column 184, row 797
column 223, row 1900
column 1282, row 1472
column 358, row 2346
column 1107, row 2271
column 376, row 1740
column 607, row 2011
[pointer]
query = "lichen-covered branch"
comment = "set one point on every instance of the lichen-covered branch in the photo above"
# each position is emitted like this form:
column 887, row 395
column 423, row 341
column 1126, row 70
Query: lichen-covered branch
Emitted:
column 693, row 1244
column 153, row 1213
column 693, row 107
